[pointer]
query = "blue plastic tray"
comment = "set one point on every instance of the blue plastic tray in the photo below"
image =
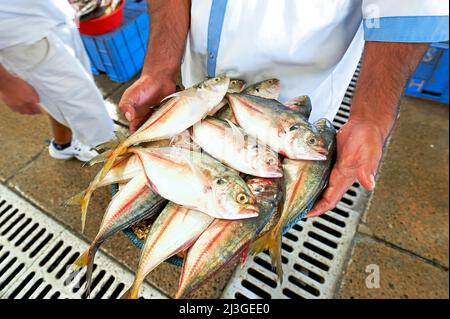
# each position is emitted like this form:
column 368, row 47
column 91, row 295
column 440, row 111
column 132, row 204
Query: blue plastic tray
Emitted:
column 430, row 79
column 120, row 53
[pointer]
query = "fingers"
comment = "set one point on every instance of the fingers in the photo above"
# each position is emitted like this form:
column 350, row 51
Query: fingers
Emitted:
column 366, row 172
column 338, row 185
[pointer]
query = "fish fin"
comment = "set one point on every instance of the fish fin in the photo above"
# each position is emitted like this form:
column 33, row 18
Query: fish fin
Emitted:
column 76, row 199
column 87, row 259
column 236, row 131
column 133, row 292
column 100, row 158
column 301, row 105
column 112, row 143
column 260, row 244
column 81, row 199
column 121, row 149
column 216, row 108
column 274, row 246
column 187, row 93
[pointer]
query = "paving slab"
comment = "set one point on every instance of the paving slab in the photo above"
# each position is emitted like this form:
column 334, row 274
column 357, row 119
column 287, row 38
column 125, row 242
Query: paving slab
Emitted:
column 410, row 204
column 401, row 275
column 22, row 137
column 106, row 85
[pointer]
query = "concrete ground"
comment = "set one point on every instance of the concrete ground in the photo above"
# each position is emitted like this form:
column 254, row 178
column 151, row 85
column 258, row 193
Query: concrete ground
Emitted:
column 404, row 231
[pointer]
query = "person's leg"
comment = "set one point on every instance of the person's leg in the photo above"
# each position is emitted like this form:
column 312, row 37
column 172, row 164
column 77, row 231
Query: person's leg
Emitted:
column 62, row 134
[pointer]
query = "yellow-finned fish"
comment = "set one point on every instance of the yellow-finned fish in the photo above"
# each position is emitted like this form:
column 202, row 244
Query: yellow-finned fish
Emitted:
column 181, row 110
column 197, row 181
column 304, row 181
column 122, row 171
column 234, row 147
column 134, row 202
column 284, row 130
column 269, row 89
column 226, row 240
column 236, row 86
column 175, row 230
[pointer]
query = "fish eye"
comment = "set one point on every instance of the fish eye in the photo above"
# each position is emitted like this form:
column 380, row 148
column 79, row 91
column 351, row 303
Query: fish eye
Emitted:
column 258, row 189
column 216, row 79
column 234, row 82
column 311, row 140
column 270, row 81
column 242, row 198
column 257, row 90
column 220, row 181
column 294, row 127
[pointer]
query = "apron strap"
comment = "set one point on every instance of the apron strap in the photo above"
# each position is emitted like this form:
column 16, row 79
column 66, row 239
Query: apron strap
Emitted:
column 216, row 17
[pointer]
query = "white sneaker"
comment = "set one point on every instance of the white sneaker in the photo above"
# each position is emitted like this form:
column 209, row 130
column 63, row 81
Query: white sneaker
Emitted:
column 78, row 150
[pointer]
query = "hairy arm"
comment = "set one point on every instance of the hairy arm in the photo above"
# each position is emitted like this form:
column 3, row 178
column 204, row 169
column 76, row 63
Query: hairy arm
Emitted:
column 169, row 26
column 20, row 96
column 386, row 66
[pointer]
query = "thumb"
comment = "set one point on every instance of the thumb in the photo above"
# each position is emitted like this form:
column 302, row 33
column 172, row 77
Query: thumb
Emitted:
column 366, row 175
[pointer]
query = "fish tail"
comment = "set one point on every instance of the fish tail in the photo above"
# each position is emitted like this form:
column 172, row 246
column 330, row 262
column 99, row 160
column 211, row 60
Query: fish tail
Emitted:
column 133, row 292
column 87, row 259
column 274, row 246
column 100, row 158
column 75, row 200
column 84, row 207
column 121, row 149
column 83, row 260
column 112, row 143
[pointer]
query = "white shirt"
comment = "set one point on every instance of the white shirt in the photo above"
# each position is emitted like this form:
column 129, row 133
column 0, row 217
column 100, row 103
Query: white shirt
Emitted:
column 27, row 21
column 313, row 47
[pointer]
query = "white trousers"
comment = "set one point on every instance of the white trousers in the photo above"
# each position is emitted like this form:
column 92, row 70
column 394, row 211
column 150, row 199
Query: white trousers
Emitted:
column 58, row 67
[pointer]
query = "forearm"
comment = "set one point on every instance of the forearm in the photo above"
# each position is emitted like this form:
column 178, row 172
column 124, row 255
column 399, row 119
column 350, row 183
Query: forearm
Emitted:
column 385, row 69
column 169, row 25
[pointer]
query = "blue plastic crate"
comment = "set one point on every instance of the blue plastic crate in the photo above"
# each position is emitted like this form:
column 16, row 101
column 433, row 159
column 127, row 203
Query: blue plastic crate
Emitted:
column 430, row 79
column 120, row 53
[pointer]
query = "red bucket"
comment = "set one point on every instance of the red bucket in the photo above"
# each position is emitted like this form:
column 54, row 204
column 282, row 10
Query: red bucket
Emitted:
column 103, row 24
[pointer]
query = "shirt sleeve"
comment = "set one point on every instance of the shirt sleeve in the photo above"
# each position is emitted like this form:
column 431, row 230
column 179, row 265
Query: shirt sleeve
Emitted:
column 405, row 20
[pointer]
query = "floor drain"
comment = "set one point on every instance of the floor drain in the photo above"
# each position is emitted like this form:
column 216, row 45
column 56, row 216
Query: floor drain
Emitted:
column 35, row 252
column 313, row 251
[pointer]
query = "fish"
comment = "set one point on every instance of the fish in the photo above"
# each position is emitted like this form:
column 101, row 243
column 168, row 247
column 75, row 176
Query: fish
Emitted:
column 269, row 89
column 236, row 86
column 304, row 181
column 175, row 230
column 134, row 202
column 284, row 130
column 224, row 241
column 122, row 171
column 301, row 104
column 180, row 111
column 234, row 147
column 197, row 181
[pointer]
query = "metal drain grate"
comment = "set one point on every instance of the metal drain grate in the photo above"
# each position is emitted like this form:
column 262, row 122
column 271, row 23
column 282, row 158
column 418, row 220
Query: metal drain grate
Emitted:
column 35, row 252
column 313, row 251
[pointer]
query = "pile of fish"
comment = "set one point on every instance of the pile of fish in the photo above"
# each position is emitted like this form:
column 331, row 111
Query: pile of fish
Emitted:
column 222, row 169
column 92, row 9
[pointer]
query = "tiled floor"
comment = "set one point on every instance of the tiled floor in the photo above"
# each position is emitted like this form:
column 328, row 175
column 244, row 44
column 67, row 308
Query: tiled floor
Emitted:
column 404, row 230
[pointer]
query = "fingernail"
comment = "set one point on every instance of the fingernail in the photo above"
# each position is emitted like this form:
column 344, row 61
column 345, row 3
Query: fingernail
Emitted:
column 372, row 181
column 128, row 116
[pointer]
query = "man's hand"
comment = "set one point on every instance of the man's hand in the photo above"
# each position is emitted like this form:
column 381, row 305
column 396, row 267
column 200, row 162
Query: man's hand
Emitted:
column 169, row 25
column 359, row 149
column 20, row 96
column 386, row 67
column 137, row 101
